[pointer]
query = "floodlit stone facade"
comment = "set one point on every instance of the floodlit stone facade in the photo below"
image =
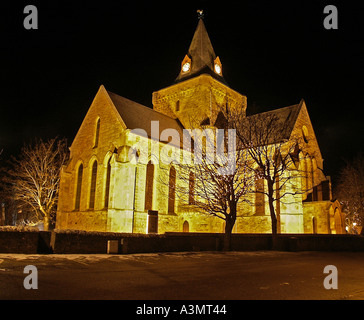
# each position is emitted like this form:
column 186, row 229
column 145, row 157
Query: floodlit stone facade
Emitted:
column 103, row 189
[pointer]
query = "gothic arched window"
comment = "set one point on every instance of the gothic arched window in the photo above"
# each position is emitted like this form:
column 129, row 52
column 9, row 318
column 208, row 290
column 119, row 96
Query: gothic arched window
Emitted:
column 93, row 185
column 107, row 184
column 259, row 195
column 191, row 188
column 78, row 187
column 149, row 187
column 171, row 189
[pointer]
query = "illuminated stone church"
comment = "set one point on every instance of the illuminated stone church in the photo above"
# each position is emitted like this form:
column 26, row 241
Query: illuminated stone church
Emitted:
column 102, row 190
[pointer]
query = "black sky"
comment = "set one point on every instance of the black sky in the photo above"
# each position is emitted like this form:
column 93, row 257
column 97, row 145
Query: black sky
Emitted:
column 275, row 52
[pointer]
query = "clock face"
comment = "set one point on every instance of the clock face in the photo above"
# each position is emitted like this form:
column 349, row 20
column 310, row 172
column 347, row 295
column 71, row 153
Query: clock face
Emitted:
column 186, row 67
column 217, row 68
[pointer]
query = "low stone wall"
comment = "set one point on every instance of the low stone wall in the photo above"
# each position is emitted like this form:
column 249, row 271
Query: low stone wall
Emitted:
column 324, row 242
column 82, row 242
column 27, row 242
column 251, row 242
column 96, row 242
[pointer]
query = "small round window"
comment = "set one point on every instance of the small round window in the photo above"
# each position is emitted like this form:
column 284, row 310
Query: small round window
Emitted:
column 305, row 133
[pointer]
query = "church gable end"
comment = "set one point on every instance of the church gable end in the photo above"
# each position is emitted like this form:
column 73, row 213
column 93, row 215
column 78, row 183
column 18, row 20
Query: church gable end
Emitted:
column 100, row 129
column 98, row 135
column 303, row 131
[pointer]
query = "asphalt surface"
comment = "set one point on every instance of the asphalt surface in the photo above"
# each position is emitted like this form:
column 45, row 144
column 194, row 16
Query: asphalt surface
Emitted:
column 261, row 275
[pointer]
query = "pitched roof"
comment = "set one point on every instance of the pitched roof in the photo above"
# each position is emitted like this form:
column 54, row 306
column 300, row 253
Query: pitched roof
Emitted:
column 285, row 120
column 202, row 55
column 266, row 127
column 138, row 116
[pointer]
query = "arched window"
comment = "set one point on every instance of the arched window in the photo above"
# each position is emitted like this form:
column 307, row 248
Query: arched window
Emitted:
column 259, row 195
column 191, row 189
column 149, row 187
column 78, row 187
column 278, row 204
column 278, row 196
column 107, row 183
column 309, row 185
column 97, row 133
column 171, row 189
column 93, row 185
column 303, row 172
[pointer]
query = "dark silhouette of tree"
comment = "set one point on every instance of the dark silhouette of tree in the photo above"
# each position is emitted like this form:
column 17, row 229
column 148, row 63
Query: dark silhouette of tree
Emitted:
column 33, row 177
column 350, row 191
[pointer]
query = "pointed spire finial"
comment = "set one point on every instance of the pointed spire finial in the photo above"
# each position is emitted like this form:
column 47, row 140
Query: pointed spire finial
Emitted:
column 200, row 14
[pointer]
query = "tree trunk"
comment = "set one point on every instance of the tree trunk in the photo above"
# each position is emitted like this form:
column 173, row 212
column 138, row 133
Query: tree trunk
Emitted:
column 227, row 238
column 229, row 225
column 273, row 217
column 46, row 223
column 271, row 207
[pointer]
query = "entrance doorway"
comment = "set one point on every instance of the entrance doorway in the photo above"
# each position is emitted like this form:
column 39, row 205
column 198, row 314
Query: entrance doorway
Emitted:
column 152, row 221
column 186, row 226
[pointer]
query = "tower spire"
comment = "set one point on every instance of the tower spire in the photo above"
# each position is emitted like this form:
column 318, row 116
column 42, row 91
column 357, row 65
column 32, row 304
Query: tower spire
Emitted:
column 201, row 57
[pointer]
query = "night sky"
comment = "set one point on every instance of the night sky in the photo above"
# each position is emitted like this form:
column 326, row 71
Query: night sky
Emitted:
column 274, row 52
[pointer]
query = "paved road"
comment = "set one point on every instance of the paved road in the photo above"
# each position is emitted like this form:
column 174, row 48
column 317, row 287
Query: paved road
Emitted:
column 184, row 276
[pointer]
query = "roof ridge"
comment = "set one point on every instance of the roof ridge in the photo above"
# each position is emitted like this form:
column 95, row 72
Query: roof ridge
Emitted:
column 139, row 116
column 274, row 110
column 142, row 105
column 286, row 117
column 118, row 95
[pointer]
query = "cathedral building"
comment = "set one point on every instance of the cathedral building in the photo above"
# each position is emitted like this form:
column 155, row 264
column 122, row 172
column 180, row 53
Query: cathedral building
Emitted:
column 103, row 190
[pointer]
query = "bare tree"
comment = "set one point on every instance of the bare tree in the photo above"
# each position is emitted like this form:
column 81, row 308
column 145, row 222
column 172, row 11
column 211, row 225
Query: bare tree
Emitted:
column 34, row 177
column 275, row 159
column 350, row 191
column 217, row 179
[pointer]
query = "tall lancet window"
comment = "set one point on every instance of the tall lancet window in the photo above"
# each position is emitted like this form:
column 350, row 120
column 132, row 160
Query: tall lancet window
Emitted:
column 97, row 133
column 93, row 185
column 172, row 189
column 78, row 187
column 149, row 187
column 259, row 195
column 107, row 185
column 191, row 188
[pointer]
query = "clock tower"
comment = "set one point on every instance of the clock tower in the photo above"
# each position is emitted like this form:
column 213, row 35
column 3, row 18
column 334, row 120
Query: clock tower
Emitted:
column 200, row 90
